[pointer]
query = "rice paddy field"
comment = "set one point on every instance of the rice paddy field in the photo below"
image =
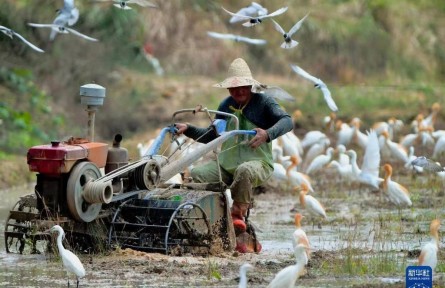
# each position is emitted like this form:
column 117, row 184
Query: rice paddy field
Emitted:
column 365, row 242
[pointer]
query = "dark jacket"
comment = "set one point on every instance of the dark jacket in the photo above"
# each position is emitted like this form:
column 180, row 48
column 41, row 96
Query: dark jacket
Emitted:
column 262, row 110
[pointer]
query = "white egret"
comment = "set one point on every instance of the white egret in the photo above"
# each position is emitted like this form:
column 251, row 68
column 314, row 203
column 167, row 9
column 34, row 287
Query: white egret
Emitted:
column 397, row 193
column 243, row 274
column 289, row 275
column 123, row 4
column 11, row 34
column 236, row 38
column 428, row 255
column 299, row 236
column 70, row 261
column 369, row 172
column 288, row 41
column 251, row 21
column 310, row 203
column 252, row 10
column 320, row 161
column 397, row 151
column 62, row 29
column 319, row 84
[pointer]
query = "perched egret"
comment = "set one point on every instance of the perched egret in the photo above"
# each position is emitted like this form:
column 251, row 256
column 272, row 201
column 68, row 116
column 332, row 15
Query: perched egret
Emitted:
column 242, row 274
column 369, row 172
column 428, row 255
column 311, row 204
column 320, row 161
column 299, row 236
column 289, row 275
column 397, row 193
column 397, row 151
column 70, row 261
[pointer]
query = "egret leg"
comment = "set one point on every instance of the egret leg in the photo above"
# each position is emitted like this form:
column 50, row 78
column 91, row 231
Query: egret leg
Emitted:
column 77, row 283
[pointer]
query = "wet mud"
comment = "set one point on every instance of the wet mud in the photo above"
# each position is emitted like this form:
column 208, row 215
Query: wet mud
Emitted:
column 365, row 242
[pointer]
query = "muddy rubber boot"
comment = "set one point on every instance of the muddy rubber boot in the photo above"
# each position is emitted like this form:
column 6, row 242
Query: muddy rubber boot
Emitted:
column 245, row 243
column 238, row 212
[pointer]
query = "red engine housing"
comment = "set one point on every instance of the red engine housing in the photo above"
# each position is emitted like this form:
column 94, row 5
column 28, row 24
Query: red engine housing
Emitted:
column 58, row 158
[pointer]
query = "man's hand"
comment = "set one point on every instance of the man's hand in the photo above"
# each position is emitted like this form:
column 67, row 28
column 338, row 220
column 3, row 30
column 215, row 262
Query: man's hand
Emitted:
column 260, row 138
column 182, row 127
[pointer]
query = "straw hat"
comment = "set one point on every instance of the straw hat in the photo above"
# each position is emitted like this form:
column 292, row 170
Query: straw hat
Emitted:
column 239, row 75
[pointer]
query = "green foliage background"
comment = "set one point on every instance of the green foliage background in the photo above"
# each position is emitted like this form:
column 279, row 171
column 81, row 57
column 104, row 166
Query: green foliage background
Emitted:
column 380, row 59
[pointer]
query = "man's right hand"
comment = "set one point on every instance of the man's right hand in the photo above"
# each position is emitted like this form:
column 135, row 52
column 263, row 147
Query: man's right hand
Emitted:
column 182, row 127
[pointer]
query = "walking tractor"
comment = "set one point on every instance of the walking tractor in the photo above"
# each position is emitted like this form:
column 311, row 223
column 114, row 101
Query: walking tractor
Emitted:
column 104, row 201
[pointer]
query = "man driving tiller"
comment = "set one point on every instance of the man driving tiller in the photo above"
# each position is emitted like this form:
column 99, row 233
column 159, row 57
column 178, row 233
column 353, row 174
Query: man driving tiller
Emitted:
column 243, row 166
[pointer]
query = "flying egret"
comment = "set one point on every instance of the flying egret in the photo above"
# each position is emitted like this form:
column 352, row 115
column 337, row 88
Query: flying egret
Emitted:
column 319, row 84
column 275, row 92
column 257, row 19
column 70, row 261
column 243, row 274
column 123, row 4
column 288, row 41
column 253, row 10
column 428, row 255
column 62, row 29
column 11, row 33
column 69, row 13
column 237, row 38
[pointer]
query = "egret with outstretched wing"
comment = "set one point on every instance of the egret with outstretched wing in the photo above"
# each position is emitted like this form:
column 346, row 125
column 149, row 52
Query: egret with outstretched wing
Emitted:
column 317, row 84
column 288, row 41
column 237, row 38
column 11, row 33
column 63, row 30
column 258, row 19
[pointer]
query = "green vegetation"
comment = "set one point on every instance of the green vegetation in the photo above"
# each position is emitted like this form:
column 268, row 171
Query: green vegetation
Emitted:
column 213, row 270
column 28, row 125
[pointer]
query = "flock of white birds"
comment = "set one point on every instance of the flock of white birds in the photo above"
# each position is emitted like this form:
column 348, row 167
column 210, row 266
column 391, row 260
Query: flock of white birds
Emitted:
column 68, row 15
column 299, row 162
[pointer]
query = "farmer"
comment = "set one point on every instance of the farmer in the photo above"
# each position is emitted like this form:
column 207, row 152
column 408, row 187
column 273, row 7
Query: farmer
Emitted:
column 243, row 165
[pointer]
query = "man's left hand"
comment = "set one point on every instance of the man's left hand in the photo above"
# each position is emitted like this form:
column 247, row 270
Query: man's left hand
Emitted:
column 260, row 138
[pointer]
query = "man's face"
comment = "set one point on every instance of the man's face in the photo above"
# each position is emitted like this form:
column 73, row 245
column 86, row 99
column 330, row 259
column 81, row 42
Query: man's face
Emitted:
column 241, row 94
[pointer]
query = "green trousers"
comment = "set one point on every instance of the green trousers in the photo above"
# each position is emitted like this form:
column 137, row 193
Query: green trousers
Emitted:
column 248, row 175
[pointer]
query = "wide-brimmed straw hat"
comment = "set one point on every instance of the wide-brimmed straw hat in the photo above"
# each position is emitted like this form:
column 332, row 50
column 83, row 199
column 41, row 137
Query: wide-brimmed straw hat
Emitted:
column 239, row 75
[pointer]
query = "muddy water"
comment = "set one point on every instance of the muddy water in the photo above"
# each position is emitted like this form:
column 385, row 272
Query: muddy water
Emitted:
column 365, row 242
